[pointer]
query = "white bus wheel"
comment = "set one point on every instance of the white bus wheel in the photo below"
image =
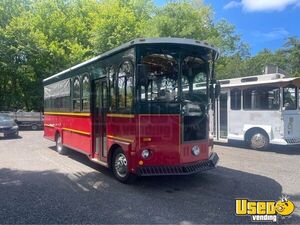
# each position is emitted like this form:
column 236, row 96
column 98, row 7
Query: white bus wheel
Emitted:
column 259, row 141
column 60, row 148
column 120, row 167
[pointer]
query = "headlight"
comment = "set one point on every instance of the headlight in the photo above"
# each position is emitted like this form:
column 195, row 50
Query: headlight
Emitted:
column 15, row 127
column 196, row 150
column 145, row 153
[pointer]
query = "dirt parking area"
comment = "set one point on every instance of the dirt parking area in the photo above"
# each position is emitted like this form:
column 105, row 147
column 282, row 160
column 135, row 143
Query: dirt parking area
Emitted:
column 37, row 185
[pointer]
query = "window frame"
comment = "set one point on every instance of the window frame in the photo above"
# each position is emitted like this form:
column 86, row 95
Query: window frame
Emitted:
column 76, row 98
column 149, row 90
column 58, row 102
column 88, row 98
column 117, row 89
column 240, row 97
column 296, row 97
column 112, row 88
column 257, row 88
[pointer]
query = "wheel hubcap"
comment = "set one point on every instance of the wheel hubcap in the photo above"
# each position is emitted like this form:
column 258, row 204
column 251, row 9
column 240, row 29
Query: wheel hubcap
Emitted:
column 258, row 141
column 121, row 165
column 58, row 144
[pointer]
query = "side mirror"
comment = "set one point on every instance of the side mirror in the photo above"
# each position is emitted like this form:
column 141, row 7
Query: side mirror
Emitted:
column 143, row 74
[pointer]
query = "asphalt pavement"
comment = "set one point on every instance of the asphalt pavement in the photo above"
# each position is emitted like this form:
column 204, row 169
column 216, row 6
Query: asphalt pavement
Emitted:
column 39, row 186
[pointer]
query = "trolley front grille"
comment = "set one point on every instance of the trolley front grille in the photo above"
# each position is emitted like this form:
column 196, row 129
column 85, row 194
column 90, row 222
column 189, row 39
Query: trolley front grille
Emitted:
column 178, row 170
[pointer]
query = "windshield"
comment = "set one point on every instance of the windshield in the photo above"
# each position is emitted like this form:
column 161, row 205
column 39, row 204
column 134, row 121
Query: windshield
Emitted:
column 194, row 79
column 162, row 78
column 5, row 117
column 173, row 75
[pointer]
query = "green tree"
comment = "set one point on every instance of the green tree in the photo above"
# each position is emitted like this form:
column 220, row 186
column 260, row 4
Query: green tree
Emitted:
column 43, row 39
column 194, row 19
column 182, row 19
column 116, row 23
column 291, row 51
column 40, row 38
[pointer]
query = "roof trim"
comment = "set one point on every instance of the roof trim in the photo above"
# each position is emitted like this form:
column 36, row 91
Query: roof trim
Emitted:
column 259, row 83
column 138, row 41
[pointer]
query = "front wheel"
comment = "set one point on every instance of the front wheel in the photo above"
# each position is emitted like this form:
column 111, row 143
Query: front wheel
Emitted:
column 59, row 145
column 14, row 135
column 120, row 167
column 259, row 141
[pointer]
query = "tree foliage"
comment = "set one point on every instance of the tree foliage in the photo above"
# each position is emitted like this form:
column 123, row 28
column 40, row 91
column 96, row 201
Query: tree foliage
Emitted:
column 286, row 58
column 39, row 38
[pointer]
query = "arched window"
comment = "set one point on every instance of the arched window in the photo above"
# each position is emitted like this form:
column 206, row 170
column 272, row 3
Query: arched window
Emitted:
column 112, row 85
column 125, row 85
column 76, row 94
column 85, row 93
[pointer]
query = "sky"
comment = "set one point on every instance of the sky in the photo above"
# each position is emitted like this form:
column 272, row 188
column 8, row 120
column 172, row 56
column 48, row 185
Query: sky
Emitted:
column 261, row 23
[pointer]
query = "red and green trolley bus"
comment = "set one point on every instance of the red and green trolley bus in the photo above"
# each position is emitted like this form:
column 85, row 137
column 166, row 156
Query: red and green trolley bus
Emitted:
column 141, row 109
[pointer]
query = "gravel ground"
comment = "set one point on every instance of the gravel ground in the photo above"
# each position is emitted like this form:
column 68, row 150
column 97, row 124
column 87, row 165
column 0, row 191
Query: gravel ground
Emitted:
column 39, row 186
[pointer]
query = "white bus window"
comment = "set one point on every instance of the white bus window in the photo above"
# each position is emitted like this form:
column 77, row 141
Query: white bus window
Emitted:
column 235, row 96
column 290, row 98
column 261, row 98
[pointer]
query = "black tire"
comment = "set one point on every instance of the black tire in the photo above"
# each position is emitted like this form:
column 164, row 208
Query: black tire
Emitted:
column 14, row 135
column 34, row 127
column 60, row 148
column 120, row 167
column 259, row 141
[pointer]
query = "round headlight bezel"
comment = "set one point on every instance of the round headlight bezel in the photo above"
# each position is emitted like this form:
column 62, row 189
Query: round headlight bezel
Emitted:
column 145, row 153
column 196, row 150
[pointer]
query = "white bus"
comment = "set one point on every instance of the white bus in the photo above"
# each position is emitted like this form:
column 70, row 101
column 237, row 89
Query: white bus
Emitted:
column 259, row 110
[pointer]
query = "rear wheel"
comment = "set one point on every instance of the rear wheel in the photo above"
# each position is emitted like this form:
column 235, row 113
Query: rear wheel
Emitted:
column 34, row 127
column 59, row 145
column 13, row 135
column 120, row 167
column 259, row 141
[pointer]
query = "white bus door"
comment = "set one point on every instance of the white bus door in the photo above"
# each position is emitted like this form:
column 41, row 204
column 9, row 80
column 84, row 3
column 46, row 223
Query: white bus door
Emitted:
column 221, row 117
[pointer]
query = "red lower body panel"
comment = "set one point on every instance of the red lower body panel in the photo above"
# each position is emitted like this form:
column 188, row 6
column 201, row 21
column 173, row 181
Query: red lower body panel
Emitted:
column 77, row 141
column 76, row 131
